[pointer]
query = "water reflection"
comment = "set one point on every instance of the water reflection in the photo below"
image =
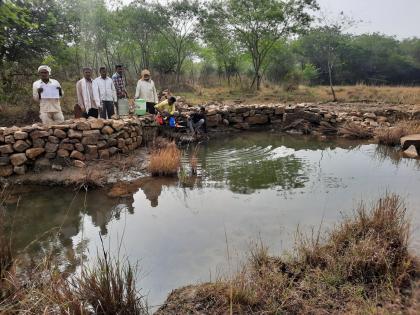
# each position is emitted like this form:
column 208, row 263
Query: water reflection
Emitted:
column 248, row 187
column 249, row 162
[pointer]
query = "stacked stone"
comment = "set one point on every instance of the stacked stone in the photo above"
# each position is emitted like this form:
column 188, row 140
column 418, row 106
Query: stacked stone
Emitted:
column 242, row 116
column 75, row 140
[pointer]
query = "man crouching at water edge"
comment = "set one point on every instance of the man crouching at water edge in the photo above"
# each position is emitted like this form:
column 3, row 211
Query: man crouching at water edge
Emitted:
column 88, row 94
column 48, row 92
column 198, row 121
column 167, row 107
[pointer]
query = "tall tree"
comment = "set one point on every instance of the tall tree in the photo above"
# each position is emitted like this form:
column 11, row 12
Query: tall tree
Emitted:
column 139, row 22
column 178, row 26
column 224, row 45
column 260, row 24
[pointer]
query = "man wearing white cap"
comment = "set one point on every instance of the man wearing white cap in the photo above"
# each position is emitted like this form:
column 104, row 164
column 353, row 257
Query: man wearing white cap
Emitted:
column 146, row 90
column 48, row 92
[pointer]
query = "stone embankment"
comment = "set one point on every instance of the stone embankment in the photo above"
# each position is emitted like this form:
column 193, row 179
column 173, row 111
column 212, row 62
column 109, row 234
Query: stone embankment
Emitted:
column 76, row 141
column 297, row 117
column 73, row 143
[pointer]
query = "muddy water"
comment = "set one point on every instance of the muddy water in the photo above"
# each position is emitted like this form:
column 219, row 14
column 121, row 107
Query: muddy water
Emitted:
column 250, row 187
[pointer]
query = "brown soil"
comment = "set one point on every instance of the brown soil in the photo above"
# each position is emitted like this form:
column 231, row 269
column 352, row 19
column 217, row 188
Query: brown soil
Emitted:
column 97, row 173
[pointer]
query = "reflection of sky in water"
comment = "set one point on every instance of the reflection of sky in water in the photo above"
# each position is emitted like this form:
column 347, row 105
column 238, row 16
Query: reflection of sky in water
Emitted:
column 253, row 187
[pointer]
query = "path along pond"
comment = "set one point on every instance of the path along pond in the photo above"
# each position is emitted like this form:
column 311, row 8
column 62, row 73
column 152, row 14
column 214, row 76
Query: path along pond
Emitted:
column 251, row 187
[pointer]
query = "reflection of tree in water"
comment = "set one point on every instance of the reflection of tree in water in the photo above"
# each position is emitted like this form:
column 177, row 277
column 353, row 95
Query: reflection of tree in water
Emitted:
column 45, row 221
column 247, row 176
column 286, row 173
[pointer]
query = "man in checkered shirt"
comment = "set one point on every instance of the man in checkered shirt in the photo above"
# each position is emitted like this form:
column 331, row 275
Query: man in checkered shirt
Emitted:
column 119, row 82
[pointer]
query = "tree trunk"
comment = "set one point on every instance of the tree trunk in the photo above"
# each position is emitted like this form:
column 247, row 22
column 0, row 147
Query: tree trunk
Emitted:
column 331, row 82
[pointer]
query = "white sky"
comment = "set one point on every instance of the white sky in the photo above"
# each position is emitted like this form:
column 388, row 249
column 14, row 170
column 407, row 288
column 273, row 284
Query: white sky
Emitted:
column 391, row 17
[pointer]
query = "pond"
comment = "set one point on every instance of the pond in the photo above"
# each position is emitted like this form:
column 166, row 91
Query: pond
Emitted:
column 251, row 187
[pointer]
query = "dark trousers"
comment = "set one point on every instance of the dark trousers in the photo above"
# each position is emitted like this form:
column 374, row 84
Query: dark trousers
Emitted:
column 107, row 109
column 150, row 108
column 93, row 112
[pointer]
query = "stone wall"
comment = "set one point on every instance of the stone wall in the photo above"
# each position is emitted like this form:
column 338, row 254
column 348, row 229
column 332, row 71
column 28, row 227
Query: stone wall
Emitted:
column 70, row 143
column 77, row 141
column 301, row 117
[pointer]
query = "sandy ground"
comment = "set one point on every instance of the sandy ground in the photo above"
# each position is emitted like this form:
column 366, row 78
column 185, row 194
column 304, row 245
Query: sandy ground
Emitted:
column 97, row 173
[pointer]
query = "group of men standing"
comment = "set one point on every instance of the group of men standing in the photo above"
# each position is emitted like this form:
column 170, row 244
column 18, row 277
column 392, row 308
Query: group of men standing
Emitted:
column 97, row 97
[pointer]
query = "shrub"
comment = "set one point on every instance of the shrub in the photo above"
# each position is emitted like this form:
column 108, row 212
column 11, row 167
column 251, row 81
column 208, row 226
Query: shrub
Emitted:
column 165, row 161
column 354, row 131
column 362, row 266
column 392, row 136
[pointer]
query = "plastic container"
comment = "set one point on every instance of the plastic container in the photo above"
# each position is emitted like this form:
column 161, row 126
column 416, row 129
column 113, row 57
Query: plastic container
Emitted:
column 172, row 122
column 123, row 107
column 140, row 107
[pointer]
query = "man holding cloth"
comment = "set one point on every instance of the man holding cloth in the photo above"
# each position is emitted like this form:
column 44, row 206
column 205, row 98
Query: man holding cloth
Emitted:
column 107, row 93
column 88, row 94
column 48, row 92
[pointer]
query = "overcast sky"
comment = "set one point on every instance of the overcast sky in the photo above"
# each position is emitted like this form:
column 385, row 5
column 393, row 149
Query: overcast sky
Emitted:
column 391, row 17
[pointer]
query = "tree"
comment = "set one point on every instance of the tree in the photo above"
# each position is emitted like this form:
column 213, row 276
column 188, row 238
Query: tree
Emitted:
column 224, row 45
column 321, row 46
column 177, row 24
column 260, row 24
column 139, row 24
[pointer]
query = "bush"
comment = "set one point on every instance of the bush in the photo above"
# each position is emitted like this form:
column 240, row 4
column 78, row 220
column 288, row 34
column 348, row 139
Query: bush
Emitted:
column 362, row 266
column 165, row 161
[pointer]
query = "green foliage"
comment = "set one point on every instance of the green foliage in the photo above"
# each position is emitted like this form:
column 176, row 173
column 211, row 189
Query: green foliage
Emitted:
column 309, row 73
column 188, row 40
column 259, row 24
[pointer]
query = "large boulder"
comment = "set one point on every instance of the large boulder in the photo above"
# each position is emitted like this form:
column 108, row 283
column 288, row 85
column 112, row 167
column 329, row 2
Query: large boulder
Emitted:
column 411, row 152
column 5, row 149
column 60, row 133
column 117, row 124
column 258, row 119
column 214, row 120
column 410, row 140
column 18, row 159
column 6, row 170
column 20, row 135
column 82, row 125
column 39, row 134
column 20, row 146
column 74, row 134
column 33, row 153
column 96, row 123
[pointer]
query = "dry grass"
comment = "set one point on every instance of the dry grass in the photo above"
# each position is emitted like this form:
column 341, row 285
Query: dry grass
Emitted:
column 108, row 287
column 43, row 285
column 274, row 93
column 362, row 266
column 270, row 93
column 392, row 136
column 165, row 161
column 354, row 131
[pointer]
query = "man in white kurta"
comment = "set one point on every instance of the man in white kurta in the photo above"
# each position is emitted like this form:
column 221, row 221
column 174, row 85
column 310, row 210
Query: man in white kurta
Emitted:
column 88, row 94
column 107, row 93
column 48, row 92
column 146, row 90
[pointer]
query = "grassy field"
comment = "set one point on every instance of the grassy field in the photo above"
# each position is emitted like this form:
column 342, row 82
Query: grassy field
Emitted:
column 273, row 93
column 23, row 110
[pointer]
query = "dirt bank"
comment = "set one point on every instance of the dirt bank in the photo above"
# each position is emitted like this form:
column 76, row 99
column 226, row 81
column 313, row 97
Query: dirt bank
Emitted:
column 97, row 173
column 363, row 266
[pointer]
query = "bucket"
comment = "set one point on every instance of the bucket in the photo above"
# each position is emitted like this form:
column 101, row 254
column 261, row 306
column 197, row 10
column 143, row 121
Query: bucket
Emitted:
column 123, row 107
column 172, row 122
column 140, row 107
